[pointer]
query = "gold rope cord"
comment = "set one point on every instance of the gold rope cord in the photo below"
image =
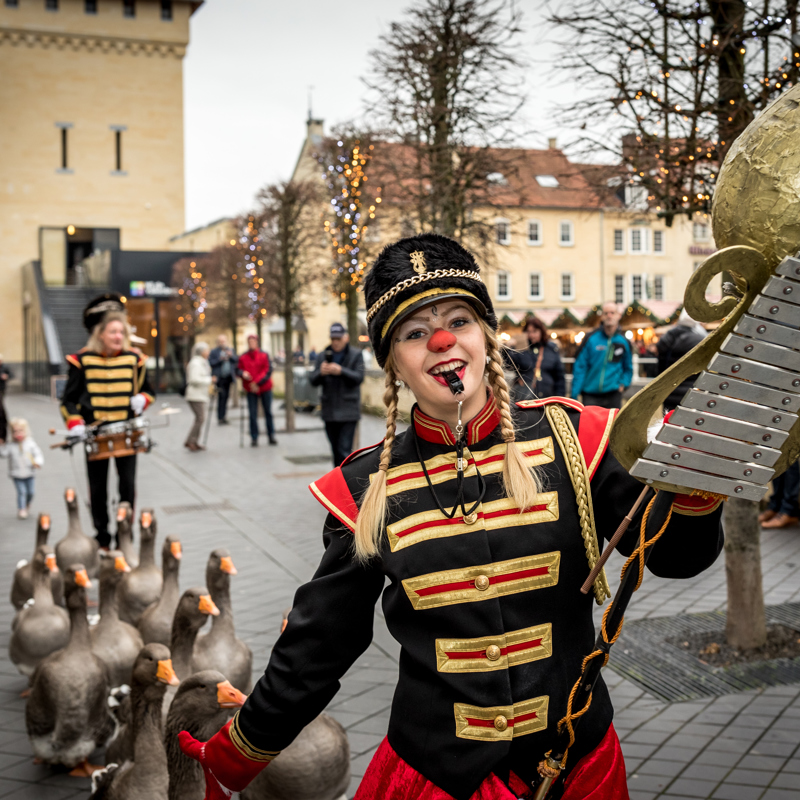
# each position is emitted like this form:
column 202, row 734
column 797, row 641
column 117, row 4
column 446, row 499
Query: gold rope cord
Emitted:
column 573, row 455
column 636, row 557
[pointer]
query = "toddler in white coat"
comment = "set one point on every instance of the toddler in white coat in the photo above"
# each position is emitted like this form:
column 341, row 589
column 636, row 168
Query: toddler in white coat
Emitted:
column 24, row 458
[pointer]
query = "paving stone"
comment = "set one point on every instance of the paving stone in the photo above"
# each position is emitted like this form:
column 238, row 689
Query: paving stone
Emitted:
column 691, row 787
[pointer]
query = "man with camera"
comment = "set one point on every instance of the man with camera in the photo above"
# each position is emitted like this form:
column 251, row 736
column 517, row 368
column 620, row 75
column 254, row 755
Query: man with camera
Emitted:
column 340, row 371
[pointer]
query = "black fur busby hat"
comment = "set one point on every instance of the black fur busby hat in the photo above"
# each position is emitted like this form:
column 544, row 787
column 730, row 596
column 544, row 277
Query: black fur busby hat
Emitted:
column 99, row 306
column 414, row 272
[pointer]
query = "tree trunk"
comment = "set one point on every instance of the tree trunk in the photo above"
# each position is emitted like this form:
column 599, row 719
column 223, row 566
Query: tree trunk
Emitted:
column 746, row 626
column 288, row 372
column 351, row 303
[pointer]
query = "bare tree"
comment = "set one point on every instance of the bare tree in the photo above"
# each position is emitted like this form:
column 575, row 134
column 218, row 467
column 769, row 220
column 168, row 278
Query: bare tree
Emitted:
column 352, row 207
column 288, row 226
column 675, row 82
column 448, row 87
column 666, row 86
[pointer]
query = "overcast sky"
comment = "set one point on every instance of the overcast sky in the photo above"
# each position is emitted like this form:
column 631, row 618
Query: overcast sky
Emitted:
column 246, row 82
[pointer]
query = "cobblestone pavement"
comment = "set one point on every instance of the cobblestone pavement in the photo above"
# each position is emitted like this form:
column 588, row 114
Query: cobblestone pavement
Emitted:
column 255, row 501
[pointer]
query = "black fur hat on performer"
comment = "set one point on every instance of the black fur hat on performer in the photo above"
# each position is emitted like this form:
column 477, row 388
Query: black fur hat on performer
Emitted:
column 414, row 272
column 99, row 306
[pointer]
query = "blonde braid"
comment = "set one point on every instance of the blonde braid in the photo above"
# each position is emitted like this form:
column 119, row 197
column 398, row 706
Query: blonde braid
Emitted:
column 372, row 514
column 521, row 483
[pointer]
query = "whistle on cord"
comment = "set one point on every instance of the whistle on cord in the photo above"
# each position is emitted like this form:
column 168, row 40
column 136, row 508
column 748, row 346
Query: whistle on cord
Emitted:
column 453, row 382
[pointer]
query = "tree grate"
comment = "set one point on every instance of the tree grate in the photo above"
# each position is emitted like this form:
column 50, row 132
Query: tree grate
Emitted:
column 194, row 507
column 312, row 459
column 645, row 657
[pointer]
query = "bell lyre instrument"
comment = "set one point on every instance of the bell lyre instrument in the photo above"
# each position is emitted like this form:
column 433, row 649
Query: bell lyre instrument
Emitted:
column 737, row 427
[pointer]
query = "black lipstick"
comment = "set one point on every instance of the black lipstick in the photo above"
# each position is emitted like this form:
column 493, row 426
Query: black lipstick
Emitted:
column 453, row 381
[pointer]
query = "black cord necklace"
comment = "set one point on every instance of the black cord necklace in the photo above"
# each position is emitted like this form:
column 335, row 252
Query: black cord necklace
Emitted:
column 468, row 515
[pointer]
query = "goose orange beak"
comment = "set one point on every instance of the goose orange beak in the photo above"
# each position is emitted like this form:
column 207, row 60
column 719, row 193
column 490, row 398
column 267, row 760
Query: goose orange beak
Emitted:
column 166, row 674
column 121, row 565
column 82, row 579
column 228, row 696
column 147, row 519
column 206, row 605
column 176, row 550
column 226, row 565
column 70, row 495
column 44, row 521
column 50, row 563
column 121, row 514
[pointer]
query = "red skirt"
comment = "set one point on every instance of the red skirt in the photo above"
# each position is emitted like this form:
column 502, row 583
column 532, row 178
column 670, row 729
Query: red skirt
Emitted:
column 600, row 775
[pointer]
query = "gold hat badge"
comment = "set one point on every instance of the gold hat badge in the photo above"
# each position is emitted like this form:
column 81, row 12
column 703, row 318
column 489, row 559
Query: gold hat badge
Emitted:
column 418, row 262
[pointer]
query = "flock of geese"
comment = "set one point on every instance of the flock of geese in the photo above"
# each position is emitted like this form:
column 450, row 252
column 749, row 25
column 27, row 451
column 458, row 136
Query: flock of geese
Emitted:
column 135, row 678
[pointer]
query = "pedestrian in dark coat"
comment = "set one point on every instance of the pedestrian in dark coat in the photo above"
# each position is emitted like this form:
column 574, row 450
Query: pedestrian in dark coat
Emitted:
column 674, row 345
column 339, row 371
column 5, row 376
column 539, row 370
column 222, row 361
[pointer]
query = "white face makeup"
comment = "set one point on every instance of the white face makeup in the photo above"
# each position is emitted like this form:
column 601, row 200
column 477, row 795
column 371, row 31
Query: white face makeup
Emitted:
column 462, row 350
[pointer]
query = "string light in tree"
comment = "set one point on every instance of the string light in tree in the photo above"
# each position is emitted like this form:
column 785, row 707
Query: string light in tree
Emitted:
column 351, row 211
column 193, row 299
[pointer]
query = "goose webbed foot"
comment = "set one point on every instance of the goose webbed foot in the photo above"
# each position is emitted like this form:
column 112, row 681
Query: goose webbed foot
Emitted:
column 84, row 770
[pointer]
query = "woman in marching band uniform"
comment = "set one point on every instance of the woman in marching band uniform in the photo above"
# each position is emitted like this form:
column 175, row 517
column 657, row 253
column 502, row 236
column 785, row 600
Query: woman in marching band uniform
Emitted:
column 480, row 518
column 107, row 382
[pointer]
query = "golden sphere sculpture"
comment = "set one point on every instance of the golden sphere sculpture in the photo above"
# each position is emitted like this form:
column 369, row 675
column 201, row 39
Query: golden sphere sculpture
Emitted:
column 757, row 198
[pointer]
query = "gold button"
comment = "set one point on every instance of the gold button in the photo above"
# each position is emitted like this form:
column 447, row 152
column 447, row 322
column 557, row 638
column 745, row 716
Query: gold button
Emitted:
column 493, row 652
column 471, row 519
column 481, row 583
column 500, row 722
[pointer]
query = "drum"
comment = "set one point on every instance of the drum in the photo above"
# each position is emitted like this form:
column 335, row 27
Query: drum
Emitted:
column 116, row 439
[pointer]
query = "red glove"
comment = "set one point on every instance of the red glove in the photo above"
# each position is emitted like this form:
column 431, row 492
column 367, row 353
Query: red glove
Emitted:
column 227, row 769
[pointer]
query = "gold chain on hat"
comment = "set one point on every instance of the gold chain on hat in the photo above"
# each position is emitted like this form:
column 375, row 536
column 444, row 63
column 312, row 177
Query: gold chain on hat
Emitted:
column 408, row 282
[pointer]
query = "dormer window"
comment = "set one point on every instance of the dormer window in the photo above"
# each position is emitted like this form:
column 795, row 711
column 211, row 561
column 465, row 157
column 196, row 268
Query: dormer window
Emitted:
column 497, row 179
column 547, row 181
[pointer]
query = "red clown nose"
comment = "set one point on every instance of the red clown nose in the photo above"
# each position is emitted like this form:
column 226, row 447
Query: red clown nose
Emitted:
column 441, row 341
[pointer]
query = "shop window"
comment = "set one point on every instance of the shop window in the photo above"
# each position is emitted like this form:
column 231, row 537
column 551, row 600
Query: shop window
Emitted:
column 502, row 229
column 90, row 6
column 619, row 240
column 566, row 234
column 535, row 289
column 503, row 285
column 567, row 286
column 51, row 5
column 129, row 8
column 619, row 289
column 658, row 242
column 166, row 10
column 12, row 3
column 534, row 232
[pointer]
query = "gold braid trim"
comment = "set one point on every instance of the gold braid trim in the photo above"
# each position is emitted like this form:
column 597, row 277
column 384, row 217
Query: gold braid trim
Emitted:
column 409, row 282
column 568, row 442
column 245, row 748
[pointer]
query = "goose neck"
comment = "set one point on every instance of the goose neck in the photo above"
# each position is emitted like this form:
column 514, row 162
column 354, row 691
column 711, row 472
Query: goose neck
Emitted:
column 147, row 556
column 42, row 593
column 79, row 626
column 109, row 605
column 148, row 738
column 182, row 646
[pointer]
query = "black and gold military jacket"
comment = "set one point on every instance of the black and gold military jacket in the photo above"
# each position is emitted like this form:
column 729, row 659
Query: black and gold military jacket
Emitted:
column 99, row 388
column 490, row 617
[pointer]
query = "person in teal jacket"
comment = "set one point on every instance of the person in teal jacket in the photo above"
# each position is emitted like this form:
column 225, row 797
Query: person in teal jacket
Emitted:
column 603, row 369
